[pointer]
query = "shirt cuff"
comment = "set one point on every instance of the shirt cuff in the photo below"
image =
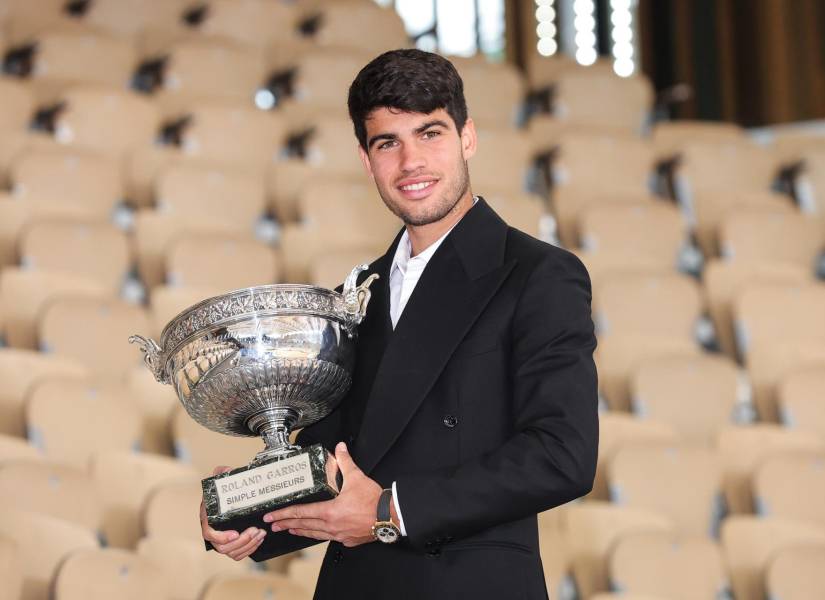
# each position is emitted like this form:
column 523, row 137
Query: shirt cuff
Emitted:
column 398, row 510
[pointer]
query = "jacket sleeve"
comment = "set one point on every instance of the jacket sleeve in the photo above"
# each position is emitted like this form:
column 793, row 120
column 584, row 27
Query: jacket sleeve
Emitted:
column 551, row 457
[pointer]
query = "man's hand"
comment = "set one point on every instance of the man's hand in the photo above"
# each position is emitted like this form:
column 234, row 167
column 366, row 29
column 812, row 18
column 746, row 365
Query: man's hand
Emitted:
column 234, row 545
column 348, row 518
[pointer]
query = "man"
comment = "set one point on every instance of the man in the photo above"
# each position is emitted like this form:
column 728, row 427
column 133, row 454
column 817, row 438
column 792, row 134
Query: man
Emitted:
column 473, row 404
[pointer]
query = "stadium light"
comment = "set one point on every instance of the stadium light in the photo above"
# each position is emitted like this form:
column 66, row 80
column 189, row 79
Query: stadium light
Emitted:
column 621, row 34
column 585, row 24
column 546, row 27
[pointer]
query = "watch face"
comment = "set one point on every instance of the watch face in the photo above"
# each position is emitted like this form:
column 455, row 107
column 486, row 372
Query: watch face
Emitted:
column 386, row 533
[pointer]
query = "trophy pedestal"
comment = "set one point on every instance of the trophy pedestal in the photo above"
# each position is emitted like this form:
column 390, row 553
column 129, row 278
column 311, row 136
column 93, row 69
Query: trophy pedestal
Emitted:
column 239, row 499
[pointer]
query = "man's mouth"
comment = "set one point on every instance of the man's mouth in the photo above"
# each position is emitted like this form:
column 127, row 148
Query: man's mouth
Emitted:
column 414, row 187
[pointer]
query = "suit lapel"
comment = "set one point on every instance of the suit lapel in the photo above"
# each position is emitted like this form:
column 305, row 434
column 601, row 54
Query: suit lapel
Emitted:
column 459, row 281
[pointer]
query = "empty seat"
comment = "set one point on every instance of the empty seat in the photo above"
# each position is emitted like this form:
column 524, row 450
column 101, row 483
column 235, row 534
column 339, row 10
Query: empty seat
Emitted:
column 93, row 250
column 331, row 146
column 797, row 573
column 668, row 565
column 502, row 109
column 682, row 481
column 302, row 245
column 156, row 403
column 592, row 528
column 750, row 543
column 320, row 80
column 525, row 212
column 94, row 333
column 167, row 301
column 254, row 585
column 800, row 397
column 743, row 449
column 13, row 218
column 42, row 543
column 171, row 511
column 124, row 481
column 109, row 573
column 696, row 395
column 18, row 105
column 555, row 556
column 341, row 26
column 223, row 263
column 256, row 22
column 810, row 183
column 64, row 417
column 14, row 448
column 502, row 161
column 669, row 137
column 11, row 569
column 792, row 486
column 330, row 270
column 130, row 18
column 19, row 371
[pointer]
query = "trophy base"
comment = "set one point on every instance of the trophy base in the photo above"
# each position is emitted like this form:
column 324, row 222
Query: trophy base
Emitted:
column 238, row 499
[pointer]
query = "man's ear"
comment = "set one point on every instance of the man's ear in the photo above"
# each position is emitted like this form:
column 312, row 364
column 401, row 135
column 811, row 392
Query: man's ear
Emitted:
column 469, row 140
column 365, row 160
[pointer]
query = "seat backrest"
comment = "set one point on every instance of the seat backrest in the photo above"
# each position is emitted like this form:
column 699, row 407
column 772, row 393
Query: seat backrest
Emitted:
column 792, row 486
column 604, row 162
column 502, row 160
column 479, row 76
column 11, row 569
column 170, row 511
column 256, row 22
column 155, row 403
column 797, row 572
column 669, row 137
column 84, row 57
column 109, row 573
column 800, row 400
column 343, row 22
column 255, row 585
column 18, row 105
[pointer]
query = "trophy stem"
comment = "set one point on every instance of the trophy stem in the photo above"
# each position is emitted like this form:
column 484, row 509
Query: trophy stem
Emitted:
column 274, row 426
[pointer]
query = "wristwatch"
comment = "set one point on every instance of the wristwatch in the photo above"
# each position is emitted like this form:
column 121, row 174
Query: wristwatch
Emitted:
column 384, row 529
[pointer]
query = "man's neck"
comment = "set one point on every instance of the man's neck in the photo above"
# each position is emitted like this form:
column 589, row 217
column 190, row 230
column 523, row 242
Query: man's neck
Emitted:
column 423, row 236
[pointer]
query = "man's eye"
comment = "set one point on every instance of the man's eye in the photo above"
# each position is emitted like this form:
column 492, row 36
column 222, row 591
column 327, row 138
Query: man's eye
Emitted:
column 385, row 145
column 431, row 134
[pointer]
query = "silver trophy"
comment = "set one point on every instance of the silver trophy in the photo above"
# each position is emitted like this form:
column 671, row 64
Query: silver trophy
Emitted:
column 264, row 361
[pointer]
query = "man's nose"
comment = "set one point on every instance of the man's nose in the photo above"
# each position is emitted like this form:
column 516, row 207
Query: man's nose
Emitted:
column 412, row 158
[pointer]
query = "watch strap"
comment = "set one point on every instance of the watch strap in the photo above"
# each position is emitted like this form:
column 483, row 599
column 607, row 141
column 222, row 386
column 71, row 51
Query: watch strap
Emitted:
column 384, row 505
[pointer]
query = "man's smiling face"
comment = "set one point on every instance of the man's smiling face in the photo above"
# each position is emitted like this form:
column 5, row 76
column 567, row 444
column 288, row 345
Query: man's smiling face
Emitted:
column 418, row 162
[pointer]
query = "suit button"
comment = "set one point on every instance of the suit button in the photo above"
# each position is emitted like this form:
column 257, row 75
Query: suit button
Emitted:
column 433, row 553
column 450, row 421
column 337, row 557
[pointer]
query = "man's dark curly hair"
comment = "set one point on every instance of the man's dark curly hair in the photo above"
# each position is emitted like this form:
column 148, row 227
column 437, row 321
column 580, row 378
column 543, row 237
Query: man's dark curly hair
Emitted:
column 407, row 80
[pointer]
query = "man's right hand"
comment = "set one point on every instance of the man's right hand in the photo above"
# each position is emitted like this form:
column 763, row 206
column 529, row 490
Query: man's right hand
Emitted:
column 235, row 545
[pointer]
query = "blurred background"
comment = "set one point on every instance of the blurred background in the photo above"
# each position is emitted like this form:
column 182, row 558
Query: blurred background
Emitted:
column 156, row 152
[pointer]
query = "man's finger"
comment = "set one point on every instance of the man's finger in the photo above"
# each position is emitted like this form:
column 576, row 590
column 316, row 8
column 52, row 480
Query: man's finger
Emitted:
column 315, row 510
column 220, row 537
column 344, row 460
column 239, row 542
column 312, row 524
column 220, row 469
column 316, row 535
column 249, row 548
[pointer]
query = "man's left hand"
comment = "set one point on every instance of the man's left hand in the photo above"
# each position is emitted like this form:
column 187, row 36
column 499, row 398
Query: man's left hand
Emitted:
column 348, row 518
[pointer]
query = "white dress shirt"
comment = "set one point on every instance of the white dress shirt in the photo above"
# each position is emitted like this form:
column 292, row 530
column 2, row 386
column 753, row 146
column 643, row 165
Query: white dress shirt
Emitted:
column 405, row 272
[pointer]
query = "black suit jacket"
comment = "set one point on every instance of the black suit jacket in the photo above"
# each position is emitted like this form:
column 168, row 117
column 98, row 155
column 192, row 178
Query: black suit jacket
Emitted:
column 481, row 405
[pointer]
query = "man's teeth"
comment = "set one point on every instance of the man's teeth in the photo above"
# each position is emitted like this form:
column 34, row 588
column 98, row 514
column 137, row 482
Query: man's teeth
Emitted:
column 417, row 186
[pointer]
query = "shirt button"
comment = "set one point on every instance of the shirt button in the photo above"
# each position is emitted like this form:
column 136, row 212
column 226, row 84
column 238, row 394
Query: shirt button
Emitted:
column 450, row 421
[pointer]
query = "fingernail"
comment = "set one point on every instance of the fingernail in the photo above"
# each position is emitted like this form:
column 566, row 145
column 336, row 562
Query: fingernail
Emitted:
column 267, row 518
column 341, row 446
column 234, row 535
column 261, row 534
column 275, row 527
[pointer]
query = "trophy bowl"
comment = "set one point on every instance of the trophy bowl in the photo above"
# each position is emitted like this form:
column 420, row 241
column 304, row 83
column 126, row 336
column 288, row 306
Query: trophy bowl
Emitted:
column 263, row 361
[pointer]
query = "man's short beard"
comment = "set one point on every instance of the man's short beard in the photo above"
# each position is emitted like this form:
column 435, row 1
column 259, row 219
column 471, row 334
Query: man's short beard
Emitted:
column 440, row 211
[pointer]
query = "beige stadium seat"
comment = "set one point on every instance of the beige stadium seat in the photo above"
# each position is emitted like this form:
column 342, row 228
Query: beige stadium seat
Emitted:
column 797, row 573
column 304, row 571
column 622, row 596
column 124, row 481
column 501, row 109
column 302, row 245
column 604, row 163
column 502, row 161
column 110, row 573
column 94, row 333
column 800, row 397
column 544, row 71
column 93, row 250
column 254, row 586
column 794, row 144
column 19, row 371
column 525, row 212
column 285, row 181
column 204, row 449
column 592, row 528
column 223, row 263
column 171, row 511
column 669, row 137
column 167, row 301
column 67, row 182
column 743, row 449
column 13, row 448
column 42, row 543
column 256, row 136
column 156, row 403
column 723, row 281
column 64, row 419
column 751, row 543
column 221, row 194
column 679, row 480
column 769, row 235
column 555, row 556
column 342, row 24
column 11, row 569
column 653, row 232
column 712, row 208
column 333, row 148
column 129, row 18
column 320, row 83
column 580, row 99
column 618, row 429
column 186, row 568
column 109, row 120
column 545, row 131
column 51, row 488
column 24, row 294
column 810, row 183
column 18, row 105
column 330, row 270
column 696, row 395
column 792, row 486
column 13, row 218
column 256, row 22
column 668, row 565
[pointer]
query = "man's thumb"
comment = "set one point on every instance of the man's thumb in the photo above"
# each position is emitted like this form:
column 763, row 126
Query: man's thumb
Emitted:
column 344, row 460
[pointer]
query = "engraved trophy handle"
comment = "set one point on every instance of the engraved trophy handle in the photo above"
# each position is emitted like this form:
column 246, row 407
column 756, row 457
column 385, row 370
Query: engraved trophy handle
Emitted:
column 152, row 356
column 356, row 298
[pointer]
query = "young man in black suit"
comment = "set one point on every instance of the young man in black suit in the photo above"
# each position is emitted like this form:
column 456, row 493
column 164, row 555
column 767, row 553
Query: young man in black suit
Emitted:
column 473, row 405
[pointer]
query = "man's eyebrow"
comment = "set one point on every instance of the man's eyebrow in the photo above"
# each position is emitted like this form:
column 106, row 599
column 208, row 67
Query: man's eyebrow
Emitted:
column 381, row 136
column 433, row 123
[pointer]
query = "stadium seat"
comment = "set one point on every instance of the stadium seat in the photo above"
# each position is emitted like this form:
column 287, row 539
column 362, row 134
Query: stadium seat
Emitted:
column 304, row 571
column 94, row 333
column 669, row 137
column 13, row 218
column 681, row 481
column 110, row 573
column 592, row 528
column 502, row 161
column 19, row 371
column 285, row 181
column 18, row 105
column 42, row 544
column 525, row 212
column 810, row 183
column 331, row 269
column 131, row 18
column 13, row 448
column 331, row 147
column 797, row 573
column 778, row 481
column 221, row 263
column 695, row 395
column 800, row 397
column 64, row 418
column 302, row 245
column 11, row 569
column 750, row 543
column 743, row 449
column 51, row 488
column 341, row 27
column 256, row 22
column 171, row 511
column 168, row 301
column 124, row 481
column 500, row 110
column 555, row 556
column 668, row 565
column 254, row 585
column 93, row 250
column 545, row 71
column 156, row 403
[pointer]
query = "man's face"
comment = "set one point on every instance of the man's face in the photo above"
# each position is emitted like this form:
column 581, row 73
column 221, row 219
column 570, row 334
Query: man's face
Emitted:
column 418, row 162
